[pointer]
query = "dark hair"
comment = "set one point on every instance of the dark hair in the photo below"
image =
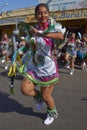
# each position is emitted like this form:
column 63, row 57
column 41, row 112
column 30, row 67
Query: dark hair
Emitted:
column 41, row 5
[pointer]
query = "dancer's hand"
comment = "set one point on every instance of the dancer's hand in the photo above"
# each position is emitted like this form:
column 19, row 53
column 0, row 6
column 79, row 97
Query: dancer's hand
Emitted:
column 33, row 31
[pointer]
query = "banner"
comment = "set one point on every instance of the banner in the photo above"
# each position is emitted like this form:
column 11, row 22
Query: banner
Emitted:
column 58, row 5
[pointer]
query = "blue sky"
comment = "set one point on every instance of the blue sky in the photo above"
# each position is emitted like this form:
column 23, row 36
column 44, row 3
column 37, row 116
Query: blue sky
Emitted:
column 16, row 4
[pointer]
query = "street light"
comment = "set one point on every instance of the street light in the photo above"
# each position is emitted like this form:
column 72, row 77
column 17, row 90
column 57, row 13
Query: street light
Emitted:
column 6, row 4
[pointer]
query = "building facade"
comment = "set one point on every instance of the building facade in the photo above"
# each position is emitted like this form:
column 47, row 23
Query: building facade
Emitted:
column 74, row 19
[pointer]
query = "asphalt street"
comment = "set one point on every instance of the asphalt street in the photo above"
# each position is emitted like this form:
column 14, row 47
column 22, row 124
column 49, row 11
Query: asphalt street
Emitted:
column 17, row 112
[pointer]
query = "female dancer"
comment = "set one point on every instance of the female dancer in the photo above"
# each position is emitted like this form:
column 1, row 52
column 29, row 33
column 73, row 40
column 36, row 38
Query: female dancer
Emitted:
column 71, row 53
column 82, row 52
column 4, row 46
column 42, row 67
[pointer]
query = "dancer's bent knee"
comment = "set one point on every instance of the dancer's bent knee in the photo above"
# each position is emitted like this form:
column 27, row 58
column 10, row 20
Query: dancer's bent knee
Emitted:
column 27, row 87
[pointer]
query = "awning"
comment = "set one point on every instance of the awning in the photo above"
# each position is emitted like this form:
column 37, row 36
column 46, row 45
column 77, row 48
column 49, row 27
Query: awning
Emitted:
column 11, row 20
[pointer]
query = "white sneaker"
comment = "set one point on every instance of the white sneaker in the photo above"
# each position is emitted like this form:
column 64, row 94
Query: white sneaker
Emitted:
column 67, row 66
column 84, row 66
column 71, row 72
column 39, row 105
column 49, row 120
column 6, row 67
column 3, row 61
column 39, row 101
column 51, row 115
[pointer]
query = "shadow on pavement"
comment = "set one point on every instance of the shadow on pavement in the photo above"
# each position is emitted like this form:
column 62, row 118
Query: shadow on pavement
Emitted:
column 8, row 104
column 5, row 74
column 84, row 99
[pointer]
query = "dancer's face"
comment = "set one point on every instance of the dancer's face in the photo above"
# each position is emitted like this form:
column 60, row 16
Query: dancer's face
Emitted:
column 42, row 15
column 84, row 38
column 73, row 35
